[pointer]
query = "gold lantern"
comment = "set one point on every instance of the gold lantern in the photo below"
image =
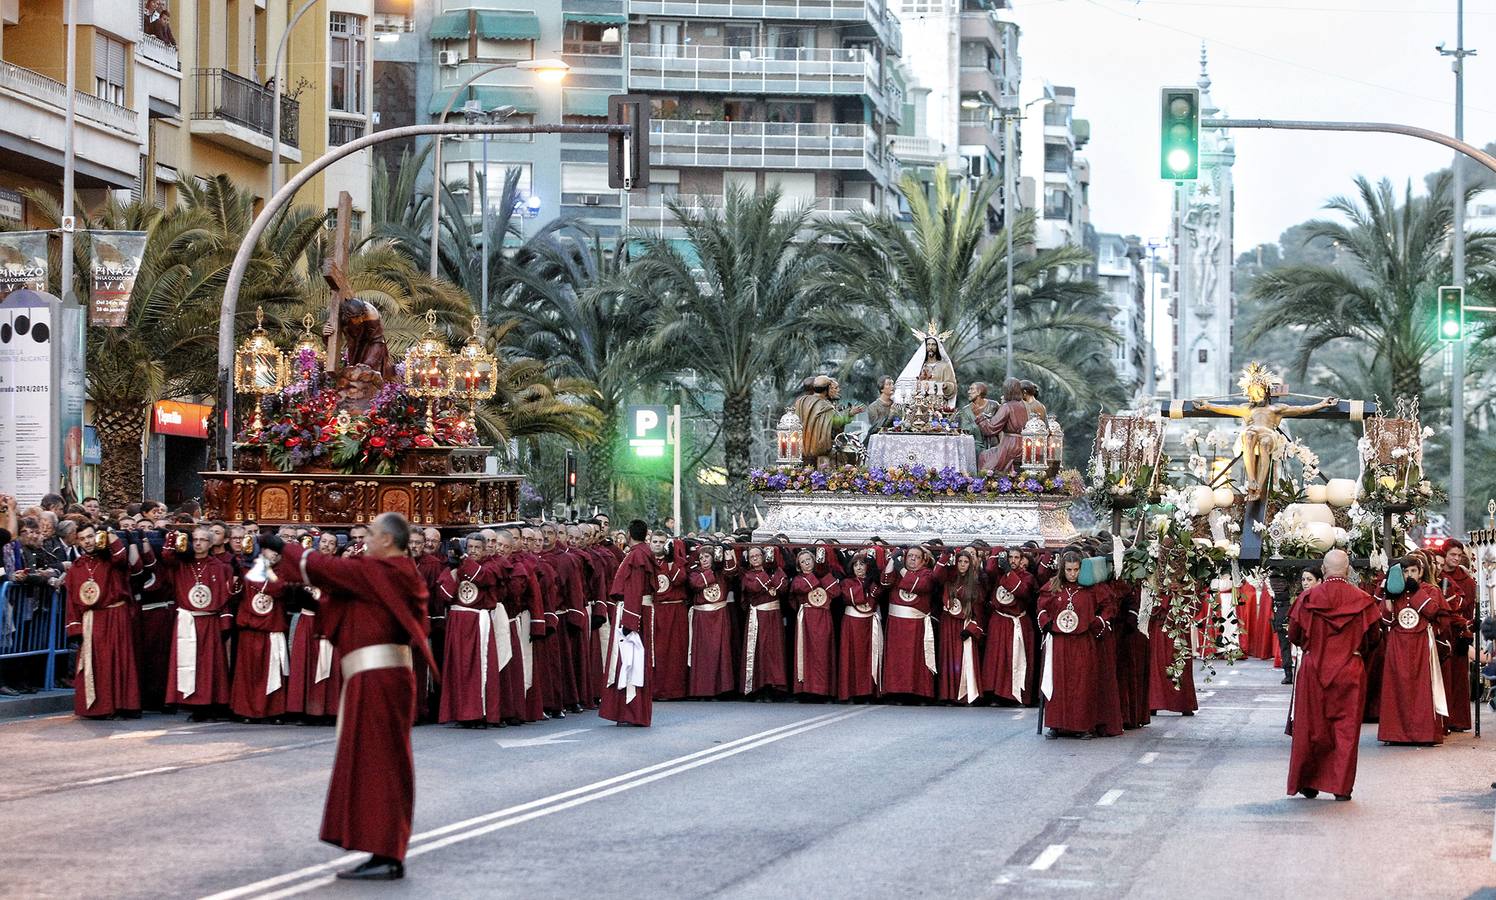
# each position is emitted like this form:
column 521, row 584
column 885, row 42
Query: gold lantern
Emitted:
column 426, row 369
column 1035, row 446
column 474, row 373
column 790, row 432
column 308, row 346
column 259, row 367
column 1056, row 444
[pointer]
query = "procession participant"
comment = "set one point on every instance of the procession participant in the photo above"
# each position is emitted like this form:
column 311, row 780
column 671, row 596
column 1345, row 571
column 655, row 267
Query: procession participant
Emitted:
column 203, row 587
column 561, row 587
column 1413, row 706
column 761, row 588
column 958, row 635
column 909, row 648
column 709, row 627
column 1165, row 692
column 541, row 623
column 425, row 547
column 1460, row 592
column 578, row 618
column 604, row 566
column 154, row 624
column 859, row 664
column 477, row 646
column 1134, row 662
column 1011, row 639
column 358, row 535
column 375, row 611
column 1001, row 427
column 811, row 596
column 262, row 659
column 626, row 697
column 1334, row 622
column 98, row 612
column 1068, row 616
column 671, row 629
column 522, row 604
column 315, row 680
column 1284, row 596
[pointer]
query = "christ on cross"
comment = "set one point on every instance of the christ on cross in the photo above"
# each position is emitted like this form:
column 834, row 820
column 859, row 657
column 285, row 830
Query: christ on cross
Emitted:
column 1260, row 437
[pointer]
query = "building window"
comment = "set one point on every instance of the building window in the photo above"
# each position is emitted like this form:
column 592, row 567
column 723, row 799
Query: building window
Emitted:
column 1056, row 203
column 1056, row 158
column 1204, row 354
column 1057, row 114
column 587, row 38
column 109, row 69
column 471, row 173
column 346, row 63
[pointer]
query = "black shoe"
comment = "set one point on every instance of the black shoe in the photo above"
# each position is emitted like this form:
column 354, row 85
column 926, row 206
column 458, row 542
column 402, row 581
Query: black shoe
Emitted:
column 1053, row 735
column 378, row 868
column 1287, row 679
column 1342, row 797
column 1308, row 793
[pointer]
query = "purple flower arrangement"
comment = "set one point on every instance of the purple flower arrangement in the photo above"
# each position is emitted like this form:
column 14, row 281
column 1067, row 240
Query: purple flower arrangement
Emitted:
column 912, row 481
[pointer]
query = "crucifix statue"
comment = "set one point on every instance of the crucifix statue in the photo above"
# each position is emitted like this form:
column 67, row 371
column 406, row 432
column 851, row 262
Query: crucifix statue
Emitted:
column 354, row 329
column 1261, row 434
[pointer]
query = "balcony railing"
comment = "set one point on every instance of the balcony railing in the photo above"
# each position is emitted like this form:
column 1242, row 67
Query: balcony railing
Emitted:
column 55, row 94
column 690, row 142
column 916, row 149
column 752, row 69
column 223, row 95
column 342, row 131
column 653, row 214
column 158, row 52
column 592, row 48
column 874, row 12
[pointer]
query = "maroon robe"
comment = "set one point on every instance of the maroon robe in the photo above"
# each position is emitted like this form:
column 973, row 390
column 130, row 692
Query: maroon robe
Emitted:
column 813, row 666
column 1460, row 593
column 1072, row 659
column 470, row 663
column 522, row 602
column 909, row 658
column 1409, row 656
column 98, row 611
column 633, row 583
column 261, row 646
column 1163, row 692
column 210, row 618
column 958, row 640
column 1334, row 622
column 576, row 629
column 375, row 606
column 859, row 665
column 764, row 666
column 428, row 689
column 1009, row 658
column 546, row 647
column 1003, row 432
column 1133, row 660
column 316, row 682
column 604, row 567
column 709, row 634
column 154, row 621
column 672, row 631
column 1108, row 688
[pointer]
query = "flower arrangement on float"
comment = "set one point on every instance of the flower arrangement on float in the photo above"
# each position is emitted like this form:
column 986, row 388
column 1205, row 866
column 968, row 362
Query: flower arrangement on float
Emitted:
column 919, row 482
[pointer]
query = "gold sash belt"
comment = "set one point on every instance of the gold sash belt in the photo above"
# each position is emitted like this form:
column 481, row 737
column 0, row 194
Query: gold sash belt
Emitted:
column 896, row 611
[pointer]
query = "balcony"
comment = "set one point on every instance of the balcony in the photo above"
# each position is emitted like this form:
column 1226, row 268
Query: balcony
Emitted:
column 591, row 48
column 342, row 131
column 873, row 12
column 159, row 52
column 33, row 107
column 234, row 113
column 765, row 145
column 652, row 213
column 752, row 70
column 916, row 150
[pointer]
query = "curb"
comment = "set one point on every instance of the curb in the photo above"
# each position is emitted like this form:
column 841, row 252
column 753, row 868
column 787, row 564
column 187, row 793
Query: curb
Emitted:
column 36, row 704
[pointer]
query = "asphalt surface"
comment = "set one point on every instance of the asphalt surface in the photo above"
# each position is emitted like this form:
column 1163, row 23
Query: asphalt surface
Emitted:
column 757, row 800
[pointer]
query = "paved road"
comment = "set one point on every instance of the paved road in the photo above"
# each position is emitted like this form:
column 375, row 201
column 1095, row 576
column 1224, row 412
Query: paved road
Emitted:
column 757, row 800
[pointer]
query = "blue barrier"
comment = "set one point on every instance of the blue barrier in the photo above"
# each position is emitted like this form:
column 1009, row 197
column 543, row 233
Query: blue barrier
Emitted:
column 31, row 626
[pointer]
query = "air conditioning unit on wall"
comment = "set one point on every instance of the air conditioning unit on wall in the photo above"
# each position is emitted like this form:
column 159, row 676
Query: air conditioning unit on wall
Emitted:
column 448, row 58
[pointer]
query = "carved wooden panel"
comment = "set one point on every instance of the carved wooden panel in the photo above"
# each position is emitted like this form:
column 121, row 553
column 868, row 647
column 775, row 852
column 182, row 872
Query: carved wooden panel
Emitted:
column 275, row 504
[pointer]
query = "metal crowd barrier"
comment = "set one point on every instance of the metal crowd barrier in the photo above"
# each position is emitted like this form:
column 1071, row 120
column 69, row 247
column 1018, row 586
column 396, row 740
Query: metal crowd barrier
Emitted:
column 31, row 627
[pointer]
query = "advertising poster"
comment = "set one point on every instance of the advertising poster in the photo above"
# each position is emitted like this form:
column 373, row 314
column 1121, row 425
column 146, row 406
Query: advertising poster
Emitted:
column 116, row 262
column 27, row 456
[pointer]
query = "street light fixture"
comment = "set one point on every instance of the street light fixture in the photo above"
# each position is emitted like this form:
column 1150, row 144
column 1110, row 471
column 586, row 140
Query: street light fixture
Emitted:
column 551, row 70
column 275, row 100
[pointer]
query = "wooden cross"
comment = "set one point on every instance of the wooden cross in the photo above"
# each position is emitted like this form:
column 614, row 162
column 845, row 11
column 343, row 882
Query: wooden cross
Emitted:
column 335, row 273
column 1256, row 510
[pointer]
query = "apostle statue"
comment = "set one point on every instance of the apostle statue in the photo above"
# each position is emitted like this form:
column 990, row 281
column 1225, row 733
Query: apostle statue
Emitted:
column 929, row 371
column 999, row 426
column 820, row 419
column 880, row 411
column 362, row 333
column 1260, row 438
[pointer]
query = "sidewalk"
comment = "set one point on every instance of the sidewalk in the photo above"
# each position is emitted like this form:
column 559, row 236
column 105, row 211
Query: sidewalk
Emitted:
column 39, row 703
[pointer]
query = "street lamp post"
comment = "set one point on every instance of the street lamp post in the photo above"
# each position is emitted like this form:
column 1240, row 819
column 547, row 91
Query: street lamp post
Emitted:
column 275, row 101
column 546, row 69
column 1010, row 115
column 68, row 154
column 1457, row 260
column 1152, row 322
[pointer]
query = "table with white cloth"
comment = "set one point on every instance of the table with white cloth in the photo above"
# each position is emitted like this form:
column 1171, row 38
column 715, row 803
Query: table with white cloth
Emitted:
column 886, row 450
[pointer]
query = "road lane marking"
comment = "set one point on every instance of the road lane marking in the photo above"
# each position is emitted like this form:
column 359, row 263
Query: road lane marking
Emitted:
column 128, row 775
column 1203, row 694
column 1110, row 797
column 477, row 826
column 1169, row 734
column 135, row 735
column 560, row 737
column 1147, row 758
column 1048, row 858
column 1018, row 715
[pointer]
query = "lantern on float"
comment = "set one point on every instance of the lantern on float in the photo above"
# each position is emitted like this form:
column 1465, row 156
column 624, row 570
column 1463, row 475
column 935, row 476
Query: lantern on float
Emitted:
column 426, row 369
column 259, row 367
column 1035, row 439
column 1056, row 443
column 307, row 356
column 474, row 373
column 790, row 432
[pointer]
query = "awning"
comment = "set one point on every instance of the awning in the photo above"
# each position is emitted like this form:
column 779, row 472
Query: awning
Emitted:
column 508, row 26
column 452, row 26
column 584, row 103
column 595, row 18
column 523, row 99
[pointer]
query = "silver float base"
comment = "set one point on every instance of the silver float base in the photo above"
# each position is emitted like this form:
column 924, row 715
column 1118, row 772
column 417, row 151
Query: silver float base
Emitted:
column 1005, row 522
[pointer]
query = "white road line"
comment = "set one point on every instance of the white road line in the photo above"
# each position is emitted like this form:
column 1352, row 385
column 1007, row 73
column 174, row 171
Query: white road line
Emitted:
column 1110, row 797
column 1270, row 698
column 1147, row 758
column 1169, row 734
column 454, row 833
column 1203, row 694
column 1048, row 858
column 135, row 735
column 1018, row 715
column 109, row 778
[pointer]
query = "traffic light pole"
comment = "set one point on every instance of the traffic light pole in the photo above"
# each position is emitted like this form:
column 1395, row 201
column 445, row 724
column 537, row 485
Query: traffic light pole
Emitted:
column 1457, row 386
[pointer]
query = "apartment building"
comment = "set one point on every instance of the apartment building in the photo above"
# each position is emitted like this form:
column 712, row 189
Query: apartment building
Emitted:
column 802, row 96
column 172, row 89
column 1120, row 272
column 1062, row 188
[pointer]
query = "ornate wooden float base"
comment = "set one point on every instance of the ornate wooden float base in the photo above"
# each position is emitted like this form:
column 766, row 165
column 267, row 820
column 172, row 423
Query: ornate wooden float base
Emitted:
column 339, row 501
column 1005, row 522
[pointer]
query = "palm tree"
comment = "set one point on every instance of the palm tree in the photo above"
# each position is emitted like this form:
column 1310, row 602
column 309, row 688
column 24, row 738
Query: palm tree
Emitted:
column 731, row 307
column 882, row 279
column 1379, row 296
column 592, row 328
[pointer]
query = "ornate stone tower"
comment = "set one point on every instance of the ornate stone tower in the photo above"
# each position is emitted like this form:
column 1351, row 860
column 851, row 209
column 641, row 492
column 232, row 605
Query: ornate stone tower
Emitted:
column 1201, row 238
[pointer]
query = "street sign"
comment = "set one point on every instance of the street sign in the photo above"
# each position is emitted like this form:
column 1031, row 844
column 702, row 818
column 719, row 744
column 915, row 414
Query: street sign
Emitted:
column 648, row 430
column 1179, row 154
column 628, row 154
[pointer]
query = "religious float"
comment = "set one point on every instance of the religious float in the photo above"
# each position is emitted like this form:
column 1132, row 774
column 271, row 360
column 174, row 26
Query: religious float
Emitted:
column 916, row 477
column 335, row 445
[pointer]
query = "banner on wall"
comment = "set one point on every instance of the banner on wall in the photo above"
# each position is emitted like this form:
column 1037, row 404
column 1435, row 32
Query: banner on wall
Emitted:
column 29, row 453
column 116, row 263
column 23, row 262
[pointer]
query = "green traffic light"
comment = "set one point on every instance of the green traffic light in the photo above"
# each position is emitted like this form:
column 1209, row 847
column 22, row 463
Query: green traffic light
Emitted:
column 1451, row 328
column 1179, row 134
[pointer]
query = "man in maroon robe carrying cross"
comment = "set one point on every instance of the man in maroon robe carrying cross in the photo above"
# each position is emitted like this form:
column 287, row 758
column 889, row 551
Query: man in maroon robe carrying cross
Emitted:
column 374, row 610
